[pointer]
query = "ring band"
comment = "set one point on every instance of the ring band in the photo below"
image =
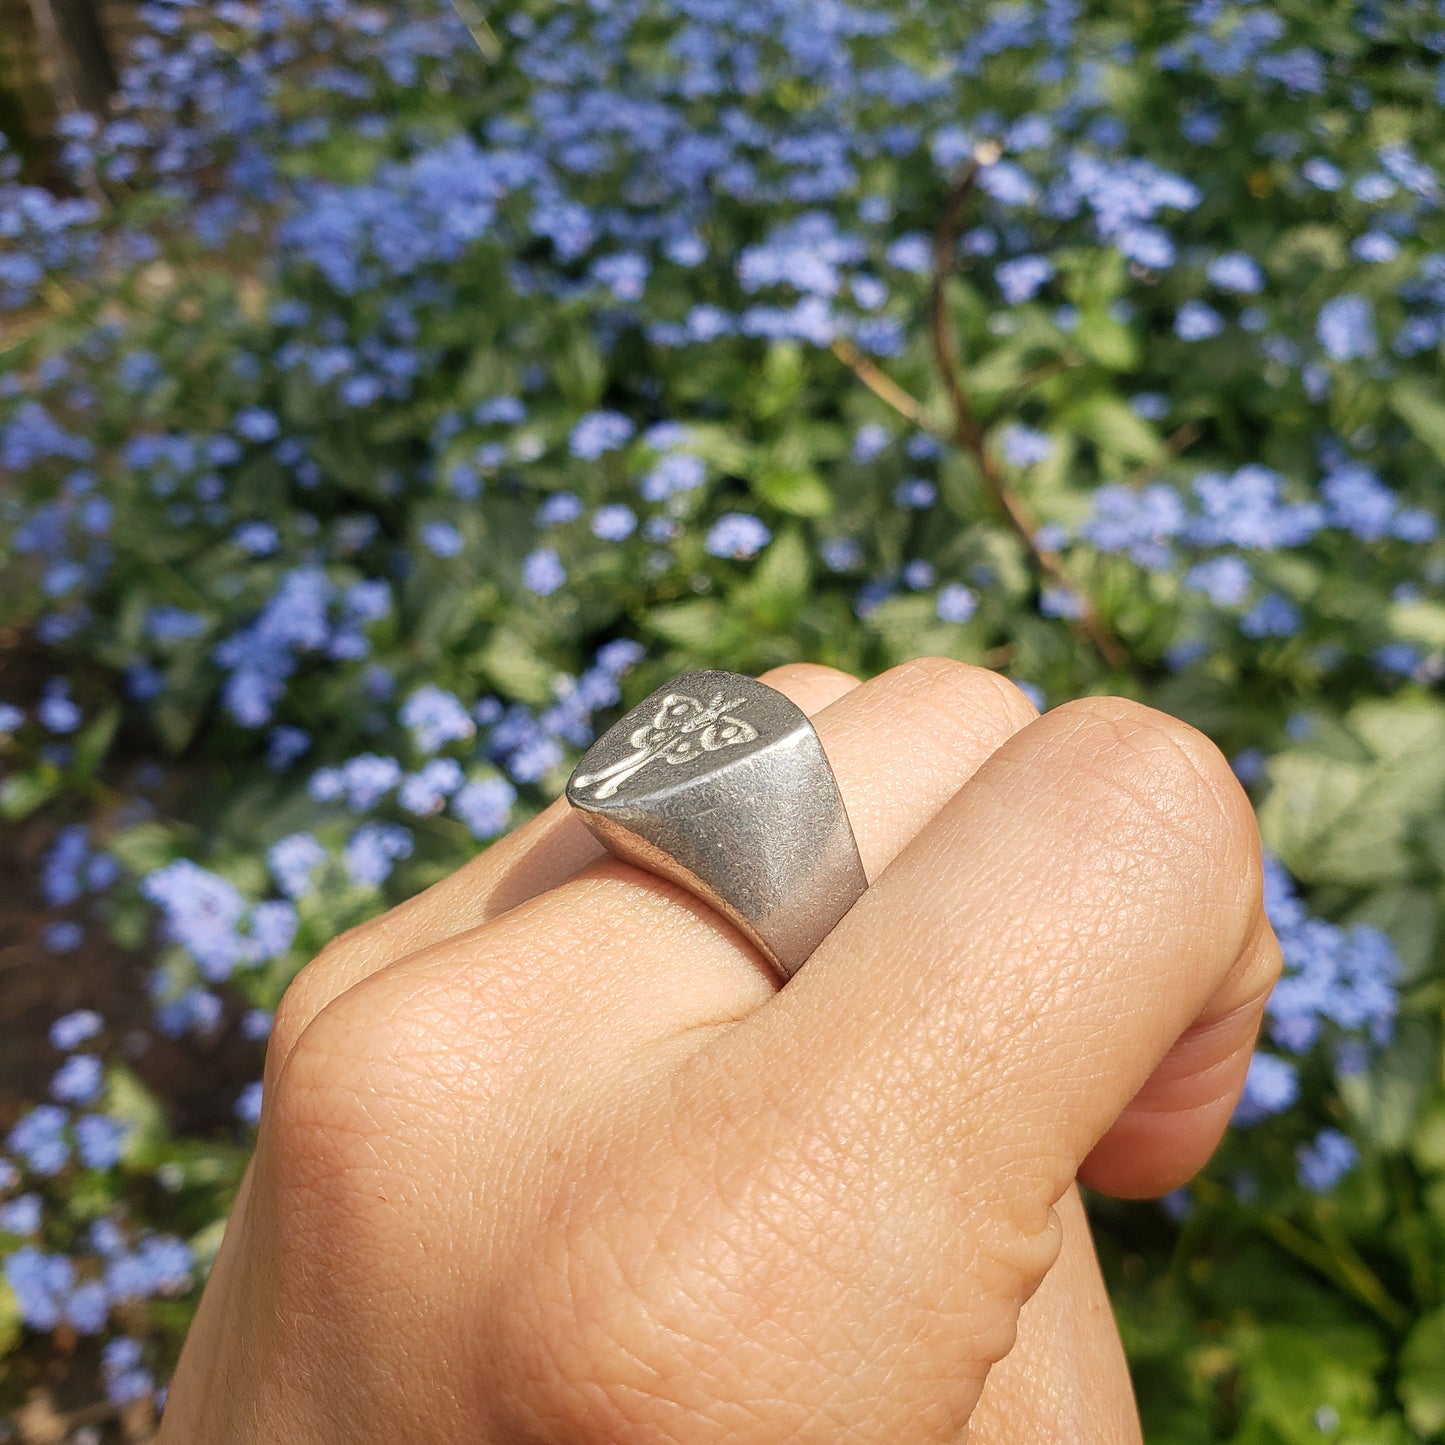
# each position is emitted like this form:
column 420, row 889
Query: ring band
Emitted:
column 720, row 784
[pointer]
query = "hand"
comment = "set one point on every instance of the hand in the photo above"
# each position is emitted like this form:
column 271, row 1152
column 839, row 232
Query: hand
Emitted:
column 546, row 1156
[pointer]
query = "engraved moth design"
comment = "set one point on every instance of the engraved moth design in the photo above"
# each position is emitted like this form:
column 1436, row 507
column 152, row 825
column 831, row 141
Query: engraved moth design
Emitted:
column 682, row 729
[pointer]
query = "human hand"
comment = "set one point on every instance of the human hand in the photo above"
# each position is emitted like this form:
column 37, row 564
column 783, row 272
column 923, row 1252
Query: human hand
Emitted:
column 545, row 1154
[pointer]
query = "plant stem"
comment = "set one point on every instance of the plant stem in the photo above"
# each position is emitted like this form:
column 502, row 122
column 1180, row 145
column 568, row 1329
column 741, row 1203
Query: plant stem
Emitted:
column 1335, row 1260
column 881, row 384
column 972, row 436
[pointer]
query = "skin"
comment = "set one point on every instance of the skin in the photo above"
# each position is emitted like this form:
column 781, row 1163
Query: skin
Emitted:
column 546, row 1155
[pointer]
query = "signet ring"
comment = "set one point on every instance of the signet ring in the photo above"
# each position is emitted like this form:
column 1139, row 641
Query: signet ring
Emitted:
column 719, row 783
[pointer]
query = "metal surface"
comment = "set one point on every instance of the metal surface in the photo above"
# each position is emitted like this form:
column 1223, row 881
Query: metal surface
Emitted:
column 719, row 783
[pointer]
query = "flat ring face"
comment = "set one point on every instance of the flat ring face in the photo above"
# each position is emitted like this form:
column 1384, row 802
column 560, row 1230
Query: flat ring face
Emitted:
column 719, row 783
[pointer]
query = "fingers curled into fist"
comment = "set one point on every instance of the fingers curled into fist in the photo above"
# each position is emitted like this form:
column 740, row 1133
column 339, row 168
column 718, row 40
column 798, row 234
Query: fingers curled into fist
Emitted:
column 547, row 1155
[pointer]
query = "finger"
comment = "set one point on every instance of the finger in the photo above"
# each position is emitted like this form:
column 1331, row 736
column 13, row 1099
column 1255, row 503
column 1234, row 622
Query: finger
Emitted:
column 617, row 957
column 543, row 853
column 923, row 1091
column 1066, row 1378
column 1085, row 914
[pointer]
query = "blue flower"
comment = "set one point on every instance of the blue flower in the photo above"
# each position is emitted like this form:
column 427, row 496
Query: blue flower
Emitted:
column 125, row 1379
column 956, row 603
column 41, row 1284
column 78, row 1080
column 543, row 572
column 484, row 806
column 61, row 880
column 599, row 432
column 436, row 718
column 1061, row 602
column 1326, row 1160
column 1346, row 328
column 504, row 409
column 202, row 912
column 21, row 1215
column 1224, row 580
column 87, row 1308
column 1021, row 279
column 1324, row 174
column 39, row 1138
column 915, row 494
column 676, row 473
column 738, row 535
column 1008, row 184
column 1270, row 1087
column 1375, row 247
column 1149, row 246
column 73, row 1029
column 256, row 424
column 56, row 712
column 272, row 928
column 1357, row 500
column 293, row 862
column 559, row 508
column 1196, row 321
column 99, row 1139
column 913, row 253
column 442, row 539
column 373, row 850
column 248, row 1103
column 174, row 624
column 284, row 744
column 614, row 522
column 426, row 791
column 869, row 440
column 1272, row 616
column 1025, row 446
column 63, row 936
column 1237, row 272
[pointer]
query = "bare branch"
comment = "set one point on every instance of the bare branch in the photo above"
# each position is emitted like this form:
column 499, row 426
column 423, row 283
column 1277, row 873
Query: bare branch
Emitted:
column 972, row 436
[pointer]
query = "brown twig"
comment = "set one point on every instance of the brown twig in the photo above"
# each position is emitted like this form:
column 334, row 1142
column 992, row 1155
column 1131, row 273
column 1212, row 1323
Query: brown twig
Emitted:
column 880, row 383
column 1176, row 442
column 972, row 436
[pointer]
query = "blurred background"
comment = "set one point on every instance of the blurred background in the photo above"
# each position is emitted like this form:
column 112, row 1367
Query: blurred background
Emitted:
column 389, row 395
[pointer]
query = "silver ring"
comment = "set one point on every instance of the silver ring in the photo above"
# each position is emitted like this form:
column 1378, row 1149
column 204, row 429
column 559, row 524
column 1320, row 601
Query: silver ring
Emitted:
column 719, row 783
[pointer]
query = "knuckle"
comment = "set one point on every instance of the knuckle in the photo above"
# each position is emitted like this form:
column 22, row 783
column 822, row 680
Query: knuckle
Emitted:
column 329, row 974
column 1186, row 784
column 808, row 676
column 980, row 698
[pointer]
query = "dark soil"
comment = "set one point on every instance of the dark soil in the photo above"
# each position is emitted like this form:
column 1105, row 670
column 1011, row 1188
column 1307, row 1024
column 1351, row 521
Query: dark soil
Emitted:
column 50, row 1386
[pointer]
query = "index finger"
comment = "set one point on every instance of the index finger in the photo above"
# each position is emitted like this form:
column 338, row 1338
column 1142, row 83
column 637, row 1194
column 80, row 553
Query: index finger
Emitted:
column 1086, row 908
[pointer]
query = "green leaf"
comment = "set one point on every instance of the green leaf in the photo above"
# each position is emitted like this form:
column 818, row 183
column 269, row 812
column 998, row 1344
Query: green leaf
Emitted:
column 1422, row 411
column 1422, row 622
column 799, row 491
column 1411, row 917
column 128, row 1100
column 1115, row 429
column 94, row 741
column 22, row 793
column 144, row 848
column 511, row 664
column 1107, row 341
column 1293, row 1370
column 1334, row 820
column 1386, row 1098
column 1422, row 1375
column 10, row 1320
column 779, row 583
column 703, row 627
column 1427, row 1148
